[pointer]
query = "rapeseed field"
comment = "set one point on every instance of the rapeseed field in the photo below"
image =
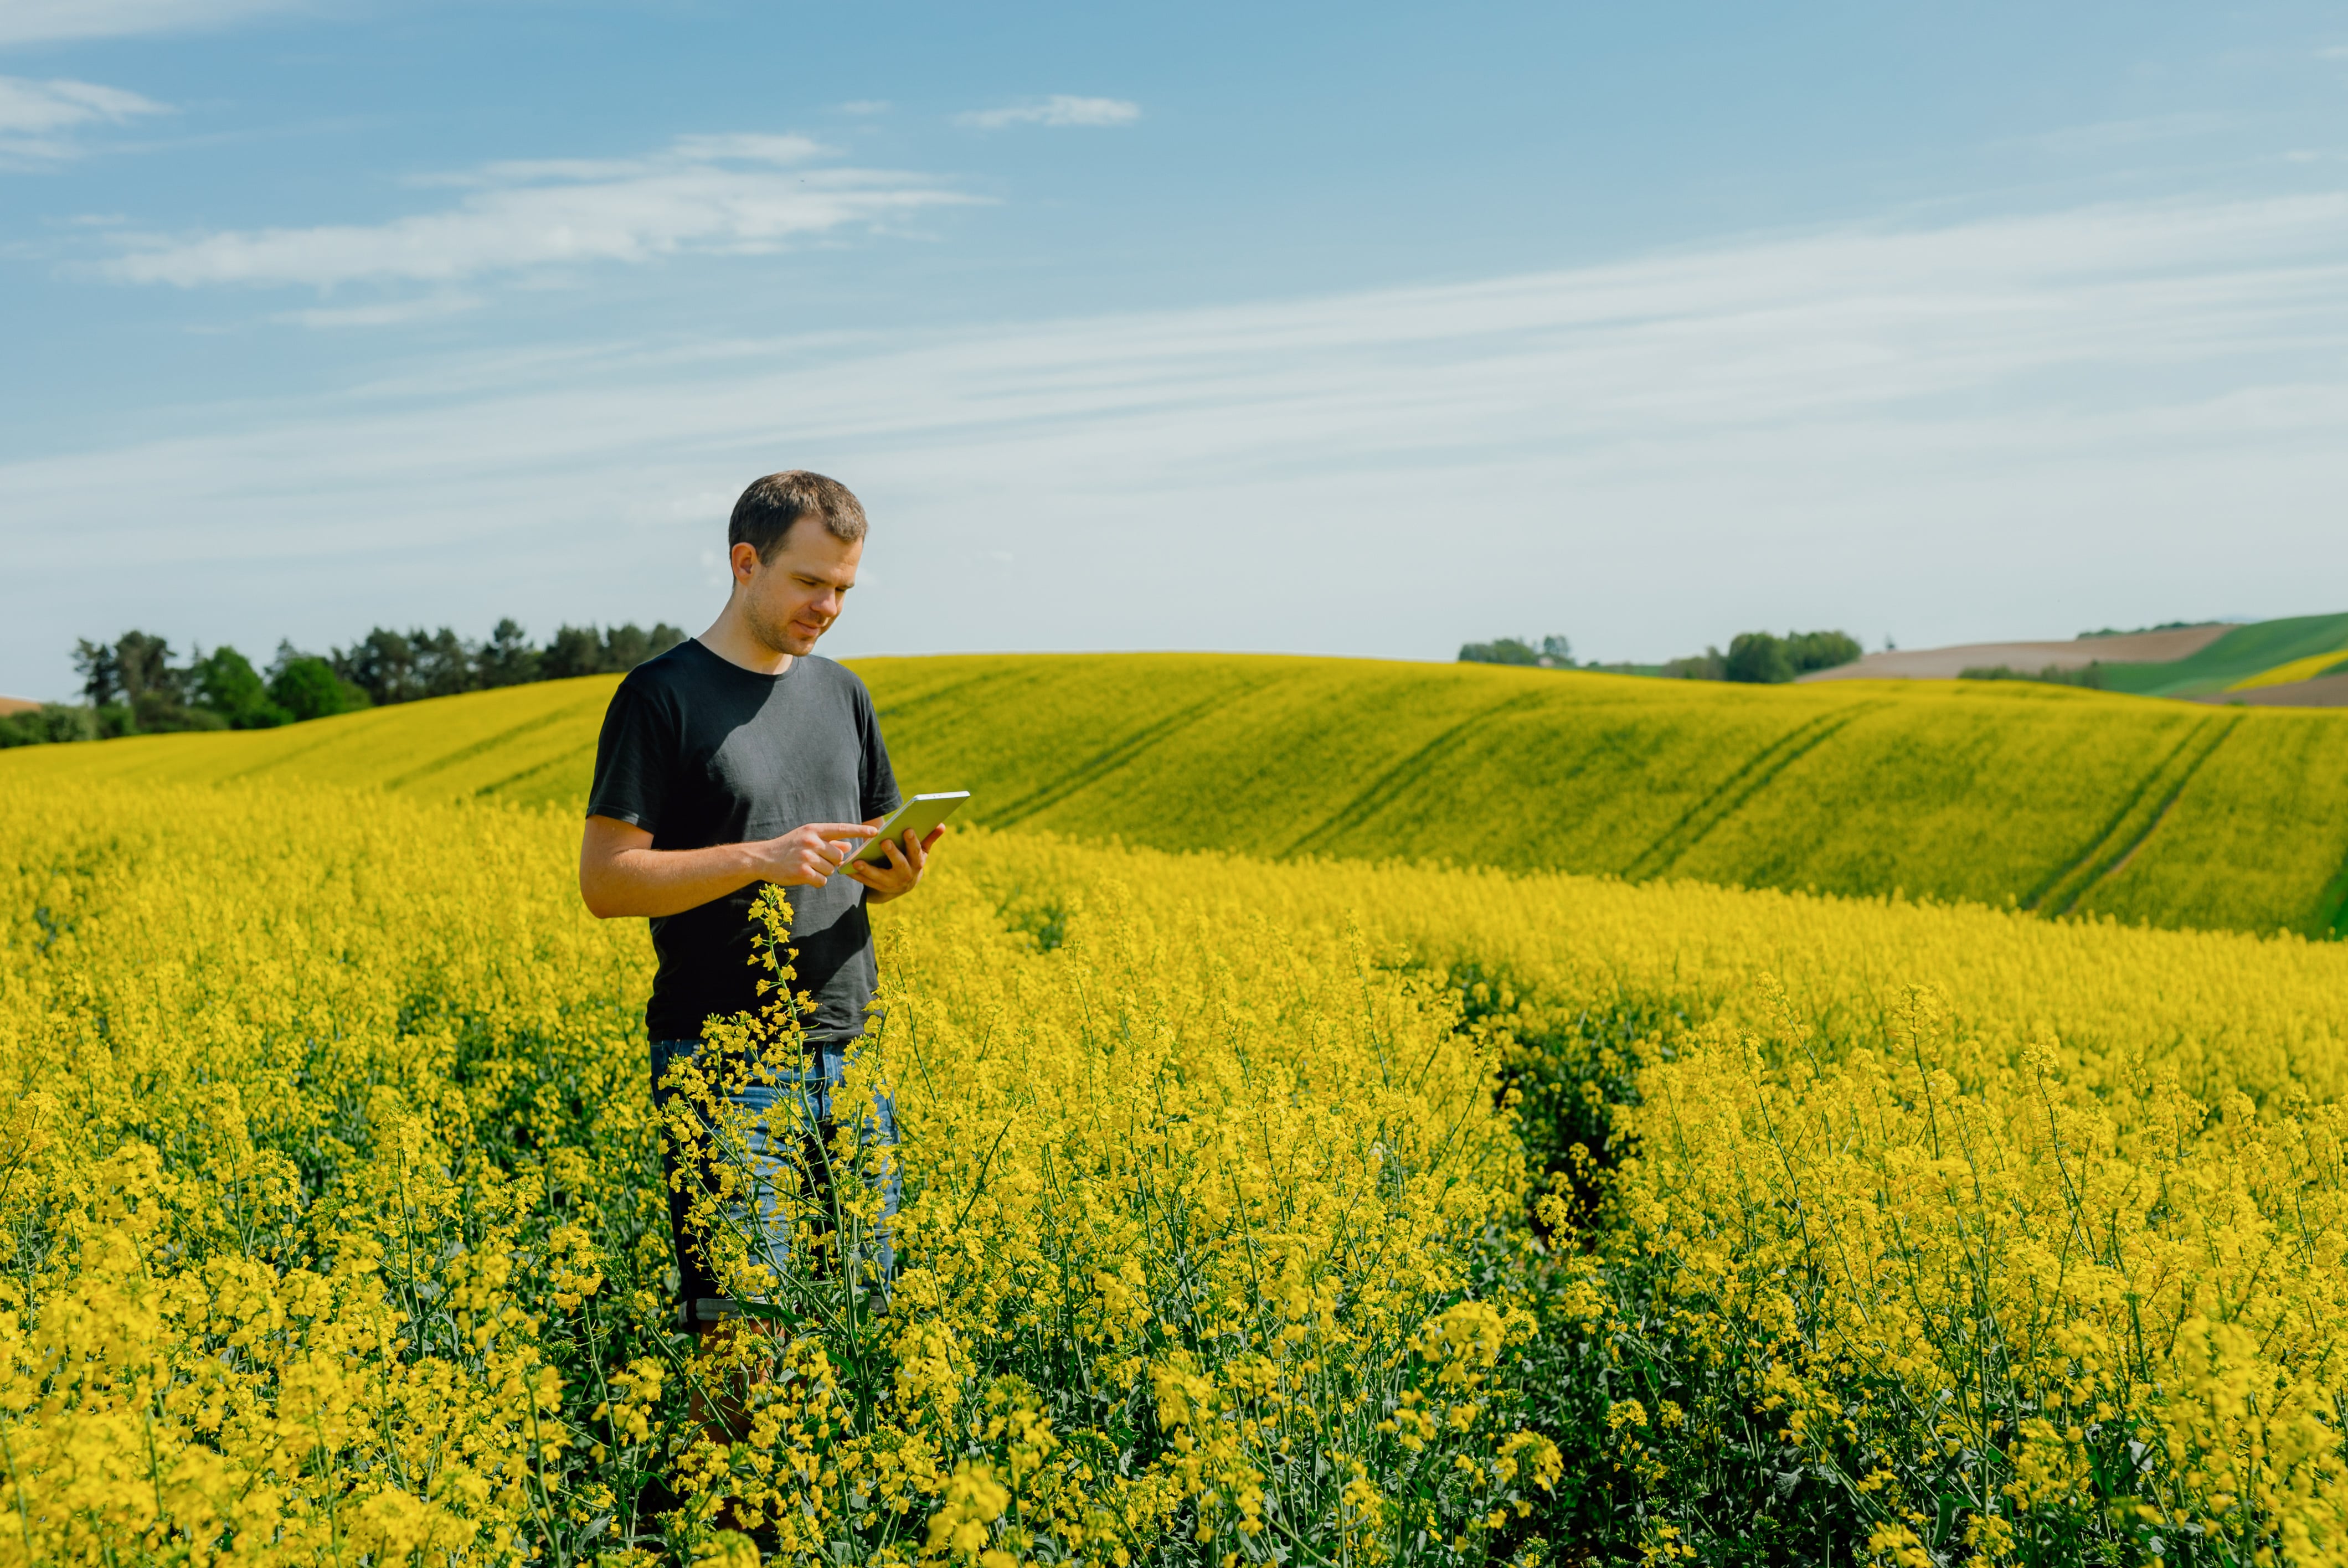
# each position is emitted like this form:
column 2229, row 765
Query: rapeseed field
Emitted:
column 2064, row 801
column 1252, row 1212
column 338, row 1232
column 2325, row 663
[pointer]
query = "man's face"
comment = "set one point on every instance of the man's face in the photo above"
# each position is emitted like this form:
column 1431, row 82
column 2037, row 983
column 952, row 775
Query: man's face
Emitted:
column 790, row 602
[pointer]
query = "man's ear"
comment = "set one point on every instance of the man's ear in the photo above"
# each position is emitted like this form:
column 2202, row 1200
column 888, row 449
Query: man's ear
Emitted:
column 743, row 559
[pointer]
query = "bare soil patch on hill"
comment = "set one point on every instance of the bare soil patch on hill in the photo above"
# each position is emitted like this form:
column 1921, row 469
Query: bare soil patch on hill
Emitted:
column 1948, row 663
column 16, row 705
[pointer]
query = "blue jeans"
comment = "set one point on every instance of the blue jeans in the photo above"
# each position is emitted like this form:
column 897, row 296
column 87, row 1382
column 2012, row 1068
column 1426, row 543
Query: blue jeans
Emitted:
column 806, row 1097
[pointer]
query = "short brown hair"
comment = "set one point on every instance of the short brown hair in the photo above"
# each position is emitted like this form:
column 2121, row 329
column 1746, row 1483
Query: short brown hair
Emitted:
column 763, row 517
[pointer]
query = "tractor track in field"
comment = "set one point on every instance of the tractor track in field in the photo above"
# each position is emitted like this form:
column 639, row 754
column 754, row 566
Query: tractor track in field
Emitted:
column 2117, row 845
column 1092, row 768
column 278, row 761
column 1391, row 783
column 499, row 786
column 1756, row 774
column 905, row 707
column 482, row 747
column 2062, row 875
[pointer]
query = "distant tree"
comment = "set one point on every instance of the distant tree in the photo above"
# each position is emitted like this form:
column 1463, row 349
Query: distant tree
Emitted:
column 1762, row 659
column 382, row 664
column 132, row 686
column 1820, row 650
column 307, row 687
column 442, row 664
column 625, row 647
column 2139, row 631
column 224, row 682
column 2090, row 675
column 1756, row 658
column 584, row 650
column 1706, row 666
column 574, row 651
column 145, row 663
column 47, row 724
column 59, row 723
column 161, row 714
column 134, row 665
column 506, row 658
column 101, row 672
column 1502, row 651
column 1555, row 652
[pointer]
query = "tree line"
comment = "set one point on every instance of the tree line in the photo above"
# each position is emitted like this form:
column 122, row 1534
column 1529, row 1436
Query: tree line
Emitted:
column 1758, row 658
column 137, row 685
column 1552, row 653
column 2088, row 675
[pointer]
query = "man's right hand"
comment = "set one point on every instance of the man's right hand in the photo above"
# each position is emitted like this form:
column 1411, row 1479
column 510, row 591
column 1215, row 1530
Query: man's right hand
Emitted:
column 620, row 874
column 809, row 857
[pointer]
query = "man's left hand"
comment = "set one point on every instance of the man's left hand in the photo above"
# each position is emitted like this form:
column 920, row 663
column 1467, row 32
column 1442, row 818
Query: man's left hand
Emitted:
column 908, row 855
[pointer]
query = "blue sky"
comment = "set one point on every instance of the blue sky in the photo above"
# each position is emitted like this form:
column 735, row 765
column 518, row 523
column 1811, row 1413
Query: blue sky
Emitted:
column 1338, row 329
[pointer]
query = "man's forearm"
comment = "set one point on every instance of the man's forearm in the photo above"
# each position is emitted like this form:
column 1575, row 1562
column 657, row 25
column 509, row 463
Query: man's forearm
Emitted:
column 620, row 874
column 637, row 882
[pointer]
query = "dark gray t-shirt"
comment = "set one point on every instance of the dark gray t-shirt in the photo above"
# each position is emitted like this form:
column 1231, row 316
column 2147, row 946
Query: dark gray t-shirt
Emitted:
column 698, row 750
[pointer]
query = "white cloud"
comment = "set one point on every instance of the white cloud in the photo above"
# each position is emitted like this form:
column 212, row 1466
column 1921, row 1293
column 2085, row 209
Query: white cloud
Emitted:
column 36, row 117
column 750, row 148
column 1059, row 109
column 40, row 21
column 387, row 313
column 865, row 107
column 2015, row 426
column 2113, row 136
column 39, row 108
column 703, row 194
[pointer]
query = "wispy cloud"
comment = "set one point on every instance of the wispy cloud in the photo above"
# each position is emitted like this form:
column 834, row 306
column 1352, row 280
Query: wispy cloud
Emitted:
column 729, row 194
column 2012, row 426
column 1059, row 109
column 42, row 20
column 387, row 313
column 38, row 118
column 2109, row 135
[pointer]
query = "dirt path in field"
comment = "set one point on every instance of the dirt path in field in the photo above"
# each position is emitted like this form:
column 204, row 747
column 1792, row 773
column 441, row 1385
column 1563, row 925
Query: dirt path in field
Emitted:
column 2324, row 692
column 1948, row 663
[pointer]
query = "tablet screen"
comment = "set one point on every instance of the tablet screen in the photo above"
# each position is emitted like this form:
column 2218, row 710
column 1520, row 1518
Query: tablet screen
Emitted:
column 917, row 816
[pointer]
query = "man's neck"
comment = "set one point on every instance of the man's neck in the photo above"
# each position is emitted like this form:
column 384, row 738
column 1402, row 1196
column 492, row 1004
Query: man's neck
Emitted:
column 730, row 638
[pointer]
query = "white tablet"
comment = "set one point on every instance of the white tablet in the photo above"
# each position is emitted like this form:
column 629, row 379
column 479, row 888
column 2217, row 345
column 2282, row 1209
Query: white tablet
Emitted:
column 919, row 815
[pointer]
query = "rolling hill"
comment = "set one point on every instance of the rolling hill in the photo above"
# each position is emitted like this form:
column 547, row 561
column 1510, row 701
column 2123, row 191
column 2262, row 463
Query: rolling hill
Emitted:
column 2241, row 654
column 2060, row 800
column 2077, row 654
column 2210, row 662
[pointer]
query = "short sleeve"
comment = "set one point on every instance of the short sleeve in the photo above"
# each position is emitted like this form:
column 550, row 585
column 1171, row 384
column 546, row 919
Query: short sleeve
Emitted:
column 635, row 757
column 878, row 778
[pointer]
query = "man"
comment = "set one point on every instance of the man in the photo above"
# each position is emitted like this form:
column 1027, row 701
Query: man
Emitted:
column 738, row 759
